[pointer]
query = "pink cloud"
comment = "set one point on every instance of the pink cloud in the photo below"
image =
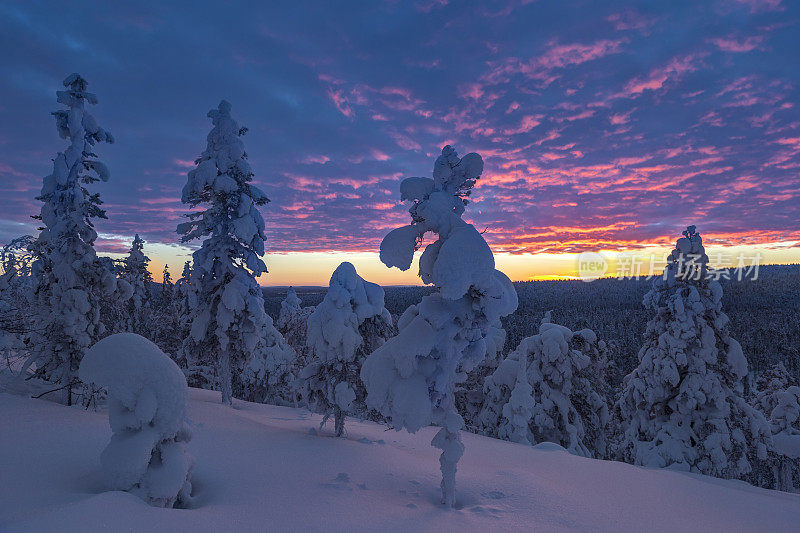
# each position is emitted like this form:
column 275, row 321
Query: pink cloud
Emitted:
column 316, row 159
column 527, row 123
column 730, row 44
column 340, row 101
column 761, row 5
column 183, row 163
column 673, row 70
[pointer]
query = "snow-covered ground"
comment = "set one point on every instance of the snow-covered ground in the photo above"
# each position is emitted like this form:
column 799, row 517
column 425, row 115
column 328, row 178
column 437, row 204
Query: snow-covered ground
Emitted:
column 264, row 468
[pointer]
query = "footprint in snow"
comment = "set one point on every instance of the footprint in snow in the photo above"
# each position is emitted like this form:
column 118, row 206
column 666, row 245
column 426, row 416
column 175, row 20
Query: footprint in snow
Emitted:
column 340, row 482
column 493, row 494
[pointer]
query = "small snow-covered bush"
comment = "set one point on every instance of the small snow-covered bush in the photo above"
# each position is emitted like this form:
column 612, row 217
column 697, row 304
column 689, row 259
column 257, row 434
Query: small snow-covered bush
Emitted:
column 565, row 372
column 412, row 378
column 683, row 406
column 345, row 327
column 147, row 399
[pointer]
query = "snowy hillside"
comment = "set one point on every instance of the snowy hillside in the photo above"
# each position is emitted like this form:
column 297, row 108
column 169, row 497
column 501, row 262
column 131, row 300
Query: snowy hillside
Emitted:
column 260, row 468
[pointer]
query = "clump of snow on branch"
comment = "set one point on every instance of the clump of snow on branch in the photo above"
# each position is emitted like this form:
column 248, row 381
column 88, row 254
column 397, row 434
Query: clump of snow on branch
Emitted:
column 229, row 327
column 411, row 379
column 349, row 323
column 565, row 372
column 683, row 405
column 147, row 399
column 69, row 277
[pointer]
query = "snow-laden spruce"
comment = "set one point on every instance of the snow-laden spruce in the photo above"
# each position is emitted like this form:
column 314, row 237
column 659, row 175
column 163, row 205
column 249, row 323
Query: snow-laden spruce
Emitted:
column 229, row 327
column 778, row 398
column 69, row 277
column 292, row 322
column 683, row 406
column 147, row 399
column 565, row 373
column 15, row 293
column 349, row 324
column 134, row 271
column 411, row 379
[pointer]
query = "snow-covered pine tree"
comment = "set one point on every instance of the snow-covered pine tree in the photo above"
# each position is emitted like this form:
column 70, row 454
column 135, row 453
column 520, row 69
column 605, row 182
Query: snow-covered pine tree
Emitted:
column 518, row 410
column 411, row 379
column 185, row 301
column 565, row 371
column 167, row 287
column 134, row 271
column 293, row 322
column 16, row 286
column 68, row 275
column 228, row 322
column 778, row 398
column 345, row 327
column 683, row 405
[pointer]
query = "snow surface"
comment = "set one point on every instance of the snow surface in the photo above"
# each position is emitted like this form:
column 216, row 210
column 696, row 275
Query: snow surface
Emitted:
column 275, row 474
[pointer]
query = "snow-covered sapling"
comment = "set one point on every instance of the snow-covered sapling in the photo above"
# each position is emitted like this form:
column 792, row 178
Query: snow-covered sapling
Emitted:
column 683, row 405
column 69, row 277
column 228, row 322
column 147, row 402
column 411, row 379
column 345, row 327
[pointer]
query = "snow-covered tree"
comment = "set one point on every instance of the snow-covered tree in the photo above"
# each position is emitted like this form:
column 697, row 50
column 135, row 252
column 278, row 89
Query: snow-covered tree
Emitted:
column 134, row 271
column 345, row 327
column 68, row 274
column 565, row 372
column 293, row 323
column 184, row 299
column 269, row 376
column 228, row 322
column 147, row 405
column 683, row 405
column 16, row 285
column 167, row 287
column 778, row 398
column 518, row 410
column 412, row 378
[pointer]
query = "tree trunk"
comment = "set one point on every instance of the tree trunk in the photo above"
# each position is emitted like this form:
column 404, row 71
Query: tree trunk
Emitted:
column 338, row 421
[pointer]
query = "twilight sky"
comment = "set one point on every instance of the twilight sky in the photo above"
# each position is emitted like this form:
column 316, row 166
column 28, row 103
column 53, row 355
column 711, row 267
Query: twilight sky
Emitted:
column 603, row 125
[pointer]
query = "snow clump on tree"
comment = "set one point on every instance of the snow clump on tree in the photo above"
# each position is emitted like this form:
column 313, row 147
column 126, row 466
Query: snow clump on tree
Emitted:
column 411, row 379
column 349, row 323
column 683, row 406
column 147, row 399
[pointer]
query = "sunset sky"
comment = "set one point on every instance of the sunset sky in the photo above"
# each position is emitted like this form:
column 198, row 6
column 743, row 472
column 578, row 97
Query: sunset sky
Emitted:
column 604, row 126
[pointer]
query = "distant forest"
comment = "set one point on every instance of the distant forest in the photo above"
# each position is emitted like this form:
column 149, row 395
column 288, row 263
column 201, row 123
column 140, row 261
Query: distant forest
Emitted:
column 764, row 314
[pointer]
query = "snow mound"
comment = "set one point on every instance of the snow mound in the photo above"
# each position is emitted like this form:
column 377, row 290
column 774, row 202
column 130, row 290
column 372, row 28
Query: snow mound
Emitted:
column 147, row 454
